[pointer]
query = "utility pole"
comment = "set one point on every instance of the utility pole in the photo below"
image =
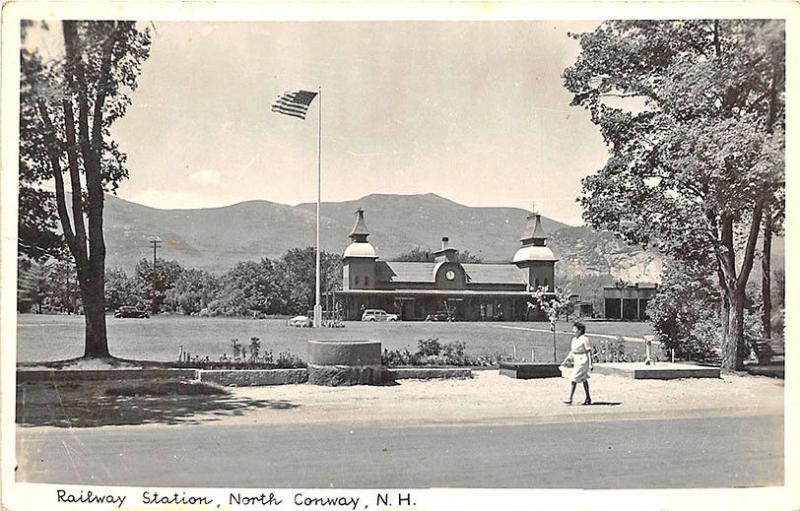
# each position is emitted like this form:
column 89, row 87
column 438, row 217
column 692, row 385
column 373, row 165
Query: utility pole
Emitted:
column 155, row 244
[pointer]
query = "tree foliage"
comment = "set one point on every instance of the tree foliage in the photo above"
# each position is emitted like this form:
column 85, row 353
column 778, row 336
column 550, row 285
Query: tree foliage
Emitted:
column 692, row 113
column 425, row 255
column 685, row 311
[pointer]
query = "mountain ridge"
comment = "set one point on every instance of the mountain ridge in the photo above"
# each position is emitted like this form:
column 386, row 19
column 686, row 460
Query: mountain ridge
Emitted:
column 215, row 239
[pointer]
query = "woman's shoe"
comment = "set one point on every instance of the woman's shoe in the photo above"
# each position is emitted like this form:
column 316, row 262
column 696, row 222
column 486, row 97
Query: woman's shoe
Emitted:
column 567, row 401
column 587, row 402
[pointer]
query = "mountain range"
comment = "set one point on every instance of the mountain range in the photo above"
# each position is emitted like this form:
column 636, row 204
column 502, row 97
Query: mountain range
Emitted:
column 215, row 239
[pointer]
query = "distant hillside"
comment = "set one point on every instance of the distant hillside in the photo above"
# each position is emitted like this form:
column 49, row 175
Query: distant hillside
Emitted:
column 217, row 238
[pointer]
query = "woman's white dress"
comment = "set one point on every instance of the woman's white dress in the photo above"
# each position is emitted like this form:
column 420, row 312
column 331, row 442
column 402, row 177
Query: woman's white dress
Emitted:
column 579, row 350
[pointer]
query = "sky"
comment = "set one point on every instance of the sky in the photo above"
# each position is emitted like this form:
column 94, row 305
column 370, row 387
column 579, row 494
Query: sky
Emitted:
column 473, row 111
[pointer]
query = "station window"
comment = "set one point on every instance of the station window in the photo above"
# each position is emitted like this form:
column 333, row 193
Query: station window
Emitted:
column 366, row 280
column 357, row 279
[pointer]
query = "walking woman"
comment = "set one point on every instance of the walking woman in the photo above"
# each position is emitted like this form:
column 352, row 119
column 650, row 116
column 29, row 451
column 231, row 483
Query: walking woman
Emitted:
column 581, row 353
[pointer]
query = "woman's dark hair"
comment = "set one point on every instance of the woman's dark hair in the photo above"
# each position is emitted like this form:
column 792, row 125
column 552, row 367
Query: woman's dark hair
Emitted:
column 580, row 326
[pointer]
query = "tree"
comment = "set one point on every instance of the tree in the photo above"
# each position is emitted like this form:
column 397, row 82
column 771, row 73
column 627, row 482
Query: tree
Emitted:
column 155, row 290
column 250, row 287
column 425, row 255
column 33, row 286
column 192, row 291
column 67, row 107
column 685, row 311
column 553, row 303
column 122, row 290
column 692, row 113
column 774, row 213
column 64, row 294
column 297, row 271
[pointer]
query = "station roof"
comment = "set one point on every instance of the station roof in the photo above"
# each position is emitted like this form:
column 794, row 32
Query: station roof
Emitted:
column 423, row 272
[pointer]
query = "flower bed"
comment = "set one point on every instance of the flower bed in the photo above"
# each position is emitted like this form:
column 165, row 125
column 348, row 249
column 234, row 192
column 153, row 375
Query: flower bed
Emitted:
column 430, row 352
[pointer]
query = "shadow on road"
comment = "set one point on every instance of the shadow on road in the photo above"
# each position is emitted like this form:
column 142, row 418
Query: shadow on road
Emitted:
column 605, row 403
column 130, row 402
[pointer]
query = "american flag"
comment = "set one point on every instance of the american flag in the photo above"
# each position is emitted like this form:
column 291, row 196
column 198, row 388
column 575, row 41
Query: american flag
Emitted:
column 294, row 103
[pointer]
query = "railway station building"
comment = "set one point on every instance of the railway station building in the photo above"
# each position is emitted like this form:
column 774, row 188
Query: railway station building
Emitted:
column 446, row 288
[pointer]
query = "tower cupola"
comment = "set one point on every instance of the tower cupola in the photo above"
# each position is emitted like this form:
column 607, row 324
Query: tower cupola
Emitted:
column 534, row 242
column 360, row 247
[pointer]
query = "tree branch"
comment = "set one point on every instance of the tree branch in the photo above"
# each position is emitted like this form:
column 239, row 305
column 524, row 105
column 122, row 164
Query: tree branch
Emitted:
column 102, row 86
column 55, row 166
column 75, row 179
column 728, row 261
column 750, row 248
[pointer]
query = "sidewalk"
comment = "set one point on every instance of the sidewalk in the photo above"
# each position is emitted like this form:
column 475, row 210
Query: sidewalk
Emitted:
column 492, row 398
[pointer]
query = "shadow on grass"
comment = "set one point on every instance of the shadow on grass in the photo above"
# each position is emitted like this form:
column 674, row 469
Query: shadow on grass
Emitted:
column 130, row 402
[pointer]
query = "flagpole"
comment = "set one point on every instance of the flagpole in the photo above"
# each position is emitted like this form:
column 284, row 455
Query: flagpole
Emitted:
column 317, row 303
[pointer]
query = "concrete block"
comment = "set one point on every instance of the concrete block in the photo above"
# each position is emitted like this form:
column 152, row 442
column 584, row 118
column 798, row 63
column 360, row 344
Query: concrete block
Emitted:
column 427, row 373
column 341, row 375
column 659, row 371
column 529, row 370
column 253, row 377
column 25, row 375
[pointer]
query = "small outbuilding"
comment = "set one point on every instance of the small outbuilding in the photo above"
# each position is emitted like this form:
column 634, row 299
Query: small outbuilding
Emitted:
column 628, row 302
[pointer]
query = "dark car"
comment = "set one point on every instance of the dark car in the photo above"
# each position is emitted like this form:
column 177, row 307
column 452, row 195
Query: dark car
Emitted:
column 128, row 311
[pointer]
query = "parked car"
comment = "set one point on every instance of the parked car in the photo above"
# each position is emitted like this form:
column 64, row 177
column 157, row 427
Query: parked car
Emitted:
column 300, row 321
column 128, row 311
column 378, row 315
column 440, row 316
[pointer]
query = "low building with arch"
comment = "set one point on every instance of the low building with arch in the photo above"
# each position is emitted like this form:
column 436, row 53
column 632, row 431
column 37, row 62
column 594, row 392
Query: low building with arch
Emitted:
column 446, row 288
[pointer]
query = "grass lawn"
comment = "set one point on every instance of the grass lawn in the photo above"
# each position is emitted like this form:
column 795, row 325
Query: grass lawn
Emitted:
column 58, row 337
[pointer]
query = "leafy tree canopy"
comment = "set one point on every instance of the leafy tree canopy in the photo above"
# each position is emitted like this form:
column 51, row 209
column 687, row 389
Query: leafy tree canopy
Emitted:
column 692, row 113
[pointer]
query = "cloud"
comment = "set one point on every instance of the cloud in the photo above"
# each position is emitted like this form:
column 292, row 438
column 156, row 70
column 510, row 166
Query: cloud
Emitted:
column 205, row 177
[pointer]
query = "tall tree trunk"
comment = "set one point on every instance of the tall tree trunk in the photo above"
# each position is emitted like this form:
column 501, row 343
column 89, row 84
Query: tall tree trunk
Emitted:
column 728, row 342
column 738, row 328
column 91, row 263
column 734, row 348
column 96, row 342
column 766, row 276
column 734, row 286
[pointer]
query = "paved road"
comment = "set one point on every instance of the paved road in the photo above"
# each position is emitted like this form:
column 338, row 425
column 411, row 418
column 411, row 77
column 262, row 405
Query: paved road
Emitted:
column 612, row 453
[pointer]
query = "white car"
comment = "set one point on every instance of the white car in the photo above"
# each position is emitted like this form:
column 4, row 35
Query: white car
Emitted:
column 300, row 321
column 378, row 315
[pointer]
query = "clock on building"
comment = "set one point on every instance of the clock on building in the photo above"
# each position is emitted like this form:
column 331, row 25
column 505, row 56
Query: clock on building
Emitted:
column 450, row 275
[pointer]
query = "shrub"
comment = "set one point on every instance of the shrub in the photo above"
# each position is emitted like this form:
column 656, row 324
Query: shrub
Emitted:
column 255, row 348
column 611, row 351
column 428, row 347
column 288, row 360
column 454, row 353
column 685, row 312
column 397, row 358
